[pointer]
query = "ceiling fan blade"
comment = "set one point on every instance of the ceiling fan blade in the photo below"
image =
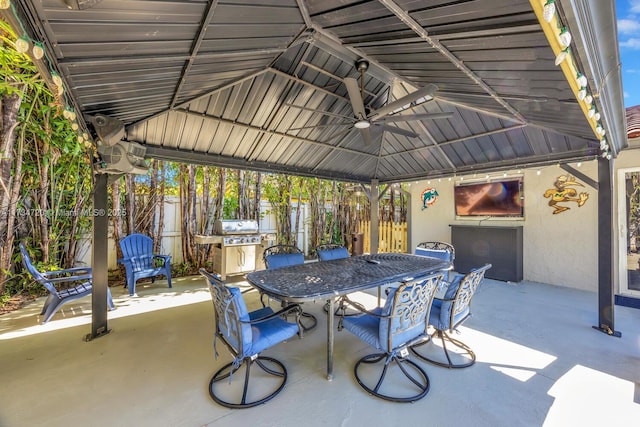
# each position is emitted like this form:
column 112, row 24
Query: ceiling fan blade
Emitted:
column 366, row 136
column 354, row 96
column 399, row 131
column 326, row 113
column 427, row 90
column 337, row 135
column 322, row 126
column 413, row 117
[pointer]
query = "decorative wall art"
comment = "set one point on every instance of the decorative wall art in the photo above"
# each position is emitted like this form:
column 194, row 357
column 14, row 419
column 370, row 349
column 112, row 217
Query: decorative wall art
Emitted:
column 564, row 193
column 429, row 197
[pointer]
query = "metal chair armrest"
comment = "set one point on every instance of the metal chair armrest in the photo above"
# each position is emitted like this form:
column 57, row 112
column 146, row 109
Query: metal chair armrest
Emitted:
column 287, row 309
column 362, row 308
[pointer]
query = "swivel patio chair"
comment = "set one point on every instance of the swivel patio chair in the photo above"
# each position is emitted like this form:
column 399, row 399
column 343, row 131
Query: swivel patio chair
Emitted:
column 140, row 262
column 447, row 314
column 392, row 330
column 278, row 256
column 79, row 279
column 440, row 250
column 328, row 252
column 246, row 335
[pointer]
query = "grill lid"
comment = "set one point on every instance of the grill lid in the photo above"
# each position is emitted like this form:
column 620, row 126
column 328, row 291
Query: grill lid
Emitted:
column 235, row 226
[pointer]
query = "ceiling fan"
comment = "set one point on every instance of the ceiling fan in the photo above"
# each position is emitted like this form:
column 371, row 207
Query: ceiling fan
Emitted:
column 363, row 118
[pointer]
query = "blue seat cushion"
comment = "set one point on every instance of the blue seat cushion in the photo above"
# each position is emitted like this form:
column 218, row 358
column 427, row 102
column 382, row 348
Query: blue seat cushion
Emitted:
column 440, row 315
column 329, row 254
column 365, row 327
column 269, row 333
column 284, row 260
column 258, row 336
column 375, row 330
column 434, row 253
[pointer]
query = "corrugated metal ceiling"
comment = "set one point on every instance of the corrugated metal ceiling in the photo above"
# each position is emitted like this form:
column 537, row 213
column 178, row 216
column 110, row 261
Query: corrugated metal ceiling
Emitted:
column 241, row 83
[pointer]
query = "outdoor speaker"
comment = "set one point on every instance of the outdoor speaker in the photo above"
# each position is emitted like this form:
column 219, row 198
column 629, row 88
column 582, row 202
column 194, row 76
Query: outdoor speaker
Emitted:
column 108, row 129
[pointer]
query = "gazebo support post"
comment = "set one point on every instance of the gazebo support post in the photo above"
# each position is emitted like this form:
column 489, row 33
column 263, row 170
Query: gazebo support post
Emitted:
column 605, row 250
column 99, row 258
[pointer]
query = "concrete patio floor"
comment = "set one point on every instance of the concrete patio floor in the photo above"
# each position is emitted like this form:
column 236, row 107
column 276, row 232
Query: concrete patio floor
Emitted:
column 539, row 362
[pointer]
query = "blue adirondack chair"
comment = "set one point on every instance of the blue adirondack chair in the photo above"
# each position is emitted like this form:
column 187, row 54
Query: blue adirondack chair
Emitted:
column 80, row 279
column 140, row 262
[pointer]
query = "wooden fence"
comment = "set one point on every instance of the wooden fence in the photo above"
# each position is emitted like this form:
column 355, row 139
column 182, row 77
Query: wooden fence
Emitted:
column 392, row 238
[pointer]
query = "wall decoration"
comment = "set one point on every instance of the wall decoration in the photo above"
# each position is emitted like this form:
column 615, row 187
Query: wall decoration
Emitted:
column 564, row 193
column 429, row 197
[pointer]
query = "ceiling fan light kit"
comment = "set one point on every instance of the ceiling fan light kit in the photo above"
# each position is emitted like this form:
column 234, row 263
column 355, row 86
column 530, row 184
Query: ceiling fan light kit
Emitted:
column 363, row 118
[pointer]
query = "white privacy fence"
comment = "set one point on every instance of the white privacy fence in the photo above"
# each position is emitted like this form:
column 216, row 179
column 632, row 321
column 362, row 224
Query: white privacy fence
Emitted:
column 172, row 235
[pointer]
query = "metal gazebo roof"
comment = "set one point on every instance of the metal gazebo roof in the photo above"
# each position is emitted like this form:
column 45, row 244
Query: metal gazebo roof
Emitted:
column 261, row 84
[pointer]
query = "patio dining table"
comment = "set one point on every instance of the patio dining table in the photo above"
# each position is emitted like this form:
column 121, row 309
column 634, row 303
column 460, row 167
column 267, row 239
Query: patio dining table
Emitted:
column 328, row 280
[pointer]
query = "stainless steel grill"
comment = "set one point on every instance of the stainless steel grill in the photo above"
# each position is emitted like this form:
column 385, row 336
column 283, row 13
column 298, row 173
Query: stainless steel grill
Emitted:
column 234, row 246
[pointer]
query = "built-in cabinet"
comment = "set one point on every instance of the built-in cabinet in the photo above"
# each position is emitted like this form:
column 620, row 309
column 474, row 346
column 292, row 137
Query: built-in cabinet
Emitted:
column 500, row 246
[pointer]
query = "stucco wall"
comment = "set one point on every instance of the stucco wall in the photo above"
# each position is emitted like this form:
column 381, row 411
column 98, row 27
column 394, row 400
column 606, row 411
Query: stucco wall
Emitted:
column 559, row 249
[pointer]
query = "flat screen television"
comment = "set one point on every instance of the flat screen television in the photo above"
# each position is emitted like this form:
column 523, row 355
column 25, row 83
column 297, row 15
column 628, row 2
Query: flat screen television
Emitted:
column 503, row 198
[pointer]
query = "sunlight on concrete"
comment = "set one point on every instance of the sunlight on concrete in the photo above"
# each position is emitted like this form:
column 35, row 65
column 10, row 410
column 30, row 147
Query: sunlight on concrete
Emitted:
column 584, row 396
column 79, row 312
column 499, row 354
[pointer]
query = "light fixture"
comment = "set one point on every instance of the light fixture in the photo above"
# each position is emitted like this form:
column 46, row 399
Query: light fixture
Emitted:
column 38, row 50
column 562, row 56
column 579, row 164
column 581, row 79
column 362, row 124
column 549, row 10
column 504, row 175
column 565, row 37
column 57, row 80
column 22, row 44
column 538, row 172
column 5, row 4
column 582, row 93
column 81, row 4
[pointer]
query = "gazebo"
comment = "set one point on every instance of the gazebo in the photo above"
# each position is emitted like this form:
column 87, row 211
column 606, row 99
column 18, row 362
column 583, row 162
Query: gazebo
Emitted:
column 372, row 92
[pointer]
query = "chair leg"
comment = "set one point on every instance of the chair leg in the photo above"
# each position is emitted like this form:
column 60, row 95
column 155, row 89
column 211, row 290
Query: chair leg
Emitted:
column 218, row 387
column 312, row 320
column 51, row 307
column 339, row 311
column 418, row 384
column 467, row 354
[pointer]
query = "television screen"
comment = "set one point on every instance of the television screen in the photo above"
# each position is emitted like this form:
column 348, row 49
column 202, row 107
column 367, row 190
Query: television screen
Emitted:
column 494, row 199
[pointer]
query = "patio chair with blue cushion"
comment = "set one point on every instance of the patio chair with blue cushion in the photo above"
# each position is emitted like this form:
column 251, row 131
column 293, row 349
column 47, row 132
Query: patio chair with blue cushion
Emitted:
column 278, row 256
column 246, row 334
column 330, row 251
column 76, row 284
column 440, row 250
column 140, row 262
column 447, row 314
column 392, row 330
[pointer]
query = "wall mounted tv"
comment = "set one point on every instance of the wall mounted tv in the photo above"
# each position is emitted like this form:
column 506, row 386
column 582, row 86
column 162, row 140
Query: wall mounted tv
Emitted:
column 503, row 198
